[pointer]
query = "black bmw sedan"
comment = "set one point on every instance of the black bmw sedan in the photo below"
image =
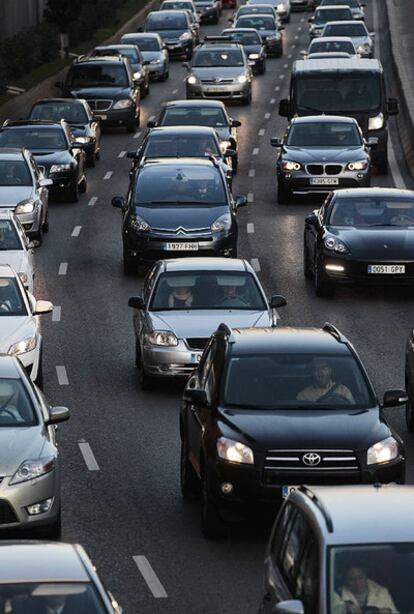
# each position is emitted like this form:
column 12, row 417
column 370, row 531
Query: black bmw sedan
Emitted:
column 361, row 236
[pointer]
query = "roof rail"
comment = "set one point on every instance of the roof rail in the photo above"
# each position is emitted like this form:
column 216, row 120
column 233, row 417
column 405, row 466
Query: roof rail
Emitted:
column 227, row 330
column 332, row 330
column 321, row 507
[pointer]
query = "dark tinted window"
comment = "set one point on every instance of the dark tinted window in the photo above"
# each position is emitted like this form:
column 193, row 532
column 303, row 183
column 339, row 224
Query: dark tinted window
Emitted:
column 192, row 116
column 345, row 29
column 176, row 5
column 181, row 146
column 320, row 46
column 165, row 21
column 245, row 38
column 252, row 10
column 34, row 138
column 9, row 239
column 26, row 598
column 258, row 22
column 16, row 408
column 73, row 113
column 379, row 211
column 324, row 134
column 97, row 76
column 144, row 43
column 340, row 93
column 14, row 173
column 11, row 300
column 351, row 3
column 212, row 57
column 325, row 15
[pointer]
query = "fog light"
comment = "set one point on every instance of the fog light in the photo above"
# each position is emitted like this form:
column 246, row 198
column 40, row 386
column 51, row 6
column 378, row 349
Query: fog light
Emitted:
column 335, row 267
column 40, row 508
column 226, row 488
column 27, row 226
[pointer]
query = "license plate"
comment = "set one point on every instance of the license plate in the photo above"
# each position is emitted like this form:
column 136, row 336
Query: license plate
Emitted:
column 214, row 89
column 324, row 181
column 181, row 247
column 387, row 269
column 195, row 358
column 286, row 490
column 103, row 117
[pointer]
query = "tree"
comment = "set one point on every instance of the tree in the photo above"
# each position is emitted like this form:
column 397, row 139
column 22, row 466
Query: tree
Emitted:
column 63, row 13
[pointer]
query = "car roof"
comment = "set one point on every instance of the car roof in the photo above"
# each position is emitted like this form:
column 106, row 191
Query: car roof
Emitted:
column 248, row 30
column 374, row 191
column 351, row 510
column 310, row 119
column 194, row 103
column 40, row 562
column 11, row 153
column 352, row 64
column 38, row 123
column 7, row 214
column 182, row 130
column 115, row 47
column 332, row 39
column 141, row 35
column 8, row 366
column 219, row 46
column 206, row 264
column 178, row 162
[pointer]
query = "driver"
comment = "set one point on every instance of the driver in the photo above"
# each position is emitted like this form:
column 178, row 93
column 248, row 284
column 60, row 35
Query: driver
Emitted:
column 358, row 594
column 180, row 298
column 323, row 386
column 402, row 217
column 8, row 408
column 232, row 297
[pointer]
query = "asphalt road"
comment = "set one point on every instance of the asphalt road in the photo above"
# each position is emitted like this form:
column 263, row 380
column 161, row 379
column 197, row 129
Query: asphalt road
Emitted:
column 121, row 495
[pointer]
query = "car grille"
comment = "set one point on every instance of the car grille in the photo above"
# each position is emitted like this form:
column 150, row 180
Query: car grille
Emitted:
column 324, row 169
column 216, row 81
column 7, row 515
column 197, row 343
column 100, row 105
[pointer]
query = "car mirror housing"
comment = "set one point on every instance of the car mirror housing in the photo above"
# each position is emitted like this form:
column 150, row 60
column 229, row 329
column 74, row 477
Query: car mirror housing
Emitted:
column 235, row 123
column 311, row 219
column 136, row 302
column 151, row 123
column 394, row 397
column 196, row 396
column 44, row 183
column 393, row 106
column 132, row 154
column 292, row 606
column 276, row 142
column 42, row 307
column 118, row 202
column 58, row 414
column 284, row 107
column 241, row 201
column 277, row 300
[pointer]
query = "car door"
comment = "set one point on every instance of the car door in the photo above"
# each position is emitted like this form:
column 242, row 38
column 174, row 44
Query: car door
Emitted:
column 313, row 231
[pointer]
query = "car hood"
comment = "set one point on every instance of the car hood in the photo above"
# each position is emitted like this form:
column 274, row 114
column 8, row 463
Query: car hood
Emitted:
column 15, row 328
column 19, row 444
column 11, row 195
column 303, row 429
column 98, row 92
column 324, row 154
column 203, row 322
column 217, row 73
column 378, row 244
column 17, row 259
column 188, row 217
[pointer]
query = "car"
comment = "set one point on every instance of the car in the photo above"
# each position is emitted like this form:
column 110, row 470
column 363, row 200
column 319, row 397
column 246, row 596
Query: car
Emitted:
column 183, row 302
column 174, row 27
column 357, row 31
column 320, row 153
column 270, row 408
column 40, row 577
column 356, row 7
column 15, row 248
column 255, row 9
column 253, row 46
column 175, row 207
column 269, row 30
column 108, row 85
column 183, row 5
column 210, row 113
column 24, row 190
column 153, row 51
column 325, row 14
column 303, row 5
column 136, row 60
column 360, row 236
column 59, row 156
column 30, row 487
column 282, row 8
column 219, row 69
column 331, row 44
column 85, row 127
column 208, row 11
column 20, row 330
column 329, row 546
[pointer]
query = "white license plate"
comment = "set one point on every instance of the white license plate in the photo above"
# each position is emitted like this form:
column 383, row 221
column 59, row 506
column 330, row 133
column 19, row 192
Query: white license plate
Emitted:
column 286, row 490
column 103, row 117
column 214, row 89
column 181, row 247
column 387, row 269
column 324, row 181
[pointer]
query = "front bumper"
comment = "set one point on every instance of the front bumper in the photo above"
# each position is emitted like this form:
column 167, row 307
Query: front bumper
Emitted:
column 116, row 117
column 257, row 65
column 61, row 182
column 301, row 182
column 170, row 362
column 273, row 46
column 208, row 15
column 233, row 91
column 179, row 47
column 356, row 271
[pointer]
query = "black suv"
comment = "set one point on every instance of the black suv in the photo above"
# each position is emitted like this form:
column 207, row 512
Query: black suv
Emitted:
column 176, row 207
column 271, row 408
column 109, row 86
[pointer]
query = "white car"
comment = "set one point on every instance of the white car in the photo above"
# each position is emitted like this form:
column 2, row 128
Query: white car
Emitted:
column 15, row 248
column 357, row 31
column 19, row 323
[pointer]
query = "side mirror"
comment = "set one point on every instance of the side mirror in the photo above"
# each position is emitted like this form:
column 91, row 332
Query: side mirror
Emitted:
column 276, row 142
column 132, row 154
column 277, row 300
column 42, row 307
column 44, row 183
column 393, row 106
column 284, row 107
column 292, row 606
column 303, row 53
column 230, row 153
column 372, row 34
column 235, row 123
column 118, row 202
column 186, row 65
column 151, row 124
column 311, row 219
column 96, row 118
column 136, row 302
column 394, row 397
column 280, row 28
column 58, row 414
column 196, row 396
column 241, row 201
column 310, row 19
column 372, row 141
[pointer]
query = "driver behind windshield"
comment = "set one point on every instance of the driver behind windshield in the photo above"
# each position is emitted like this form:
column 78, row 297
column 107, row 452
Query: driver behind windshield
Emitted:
column 359, row 594
column 323, row 387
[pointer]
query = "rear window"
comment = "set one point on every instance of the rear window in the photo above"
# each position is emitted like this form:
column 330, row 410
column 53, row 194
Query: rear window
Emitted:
column 258, row 22
column 192, row 116
column 164, row 21
column 73, row 113
column 321, row 46
column 34, row 138
column 325, row 15
column 181, row 146
column 213, row 57
column 345, row 29
column 144, row 43
column 245, row 38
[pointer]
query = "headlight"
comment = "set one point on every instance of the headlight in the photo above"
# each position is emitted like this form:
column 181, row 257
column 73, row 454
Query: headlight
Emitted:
column 162, row 337
column 59, row 168
column 221, row 223
column 242, row 79
column 358, row 165
column 376, row 123
column 23, row 278
column 26, row 206
column 31, row 469
column 290, row 165
column 382, row 451
column 137, row 75
column 21, row 347
column 123, row 104
column 281, row 7
column 224, row 146
column 185, row 36
column 366, row 48
column 271, row 38
column 234, row 451
column 139, row 225
column 254, row 56
column 334, row 245
column 155, row 61
column 84, row 139
column 192, row 80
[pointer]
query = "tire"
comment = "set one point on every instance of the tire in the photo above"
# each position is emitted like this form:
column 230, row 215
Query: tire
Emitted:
column 131, row 126
column 215, row 19
column 52, row 531
column 137, row 354
column 146, row 381
column 306, row 265
column 38, row 236
column 83, row 186
column 165, row 75
column 262, row 69
column 284, row 195
column 233, row 253
column 409, row 410
column 45, row 226
column 322, row 287
column 212, row 525
column 235, row 164
column 130, row 266
column 147, row 89
column 39, row 379
column 72, row 194
column 98, row 154
column 247, row 100
column 279, row 52
column 190, row 484
column 91, row 161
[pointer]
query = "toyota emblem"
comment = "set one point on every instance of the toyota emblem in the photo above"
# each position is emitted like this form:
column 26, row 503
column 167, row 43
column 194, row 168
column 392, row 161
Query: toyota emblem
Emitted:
column 311, row 459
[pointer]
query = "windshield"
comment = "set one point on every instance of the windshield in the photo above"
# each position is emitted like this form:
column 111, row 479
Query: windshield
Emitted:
column 16, row 409
column 345, row 29
column 144, row 43
column 73, row 113
column 296, row 381
column 373, row 211
column 181, row 146
column 9, row 239
column 371, row 578
column 42, row 138
column 207, row 290
column 325, row 15
column 28, row 598
column 245, row 38
column 97, row 76
column 341, row 93
column 207, row 57
column 176, row 5
column 171, row 185
column 258, row 22
column 324, row 134
column 11, row 301
column 130, row 53
column 352, row 3
column 321, row 46
column 164, row 21
column 14, row 173
column 256, row 10
column 194, row 116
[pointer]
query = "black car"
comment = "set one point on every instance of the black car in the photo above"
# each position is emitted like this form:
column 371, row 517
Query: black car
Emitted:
column 268, row 28
column 139, row 66
column 321, row 153
column 208, row 11
column 253, row 46
column 361, row 236
column 269, row 408
column 178, row 207
column 109, row 87
column 77, row 113
column 58, row 155
column 175, row 29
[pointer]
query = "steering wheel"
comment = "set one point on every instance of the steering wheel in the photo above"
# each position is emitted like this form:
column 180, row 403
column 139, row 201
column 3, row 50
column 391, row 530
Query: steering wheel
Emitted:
column 6, row 411
column 5, row 307
column 336, row 396
column 402, row 218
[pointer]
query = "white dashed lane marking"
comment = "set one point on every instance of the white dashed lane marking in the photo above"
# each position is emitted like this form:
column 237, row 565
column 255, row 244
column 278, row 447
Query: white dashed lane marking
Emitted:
column 255, row 264
column 250, row 197
column 108, row 175
column 261, row 132
column 137, row 135
column 272, row 100
column 88, row 456
column 76, row 231
column 92, row 201
column 277, row 88
column 174, row 92
column 62, row 376
column 56, row 313
column 267, row 115
column 122, row 154
column 63, row 268
column 255, row 151
column 150, row 577
column 252, row 172
column 250, row 228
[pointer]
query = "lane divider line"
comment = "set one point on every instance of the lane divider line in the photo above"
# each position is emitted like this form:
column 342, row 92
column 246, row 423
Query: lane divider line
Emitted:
column 267, row 115
column 76, row 231
column 281, row 76
column 108, row 175
column 93, row 201
column 255, row 151
column 175, row 92
column 250, row 228
column 250, row 197
column 255, row 264
column 62, row 376
column 63, row 268
column 286, row 66
column 277, row 88
column 272, row 100
column 56, row 313
column 293, row 46
column 137, row 135
column 296, row 37
column 150, row 577
column 261, row 132
column 252, row 172
column 122, row 154
column 88, row 456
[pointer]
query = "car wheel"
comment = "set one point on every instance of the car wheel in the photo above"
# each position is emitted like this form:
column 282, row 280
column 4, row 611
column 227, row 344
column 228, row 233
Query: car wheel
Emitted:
column 262, row 68
column 83, row 186
column 247, row 100
column 147, row 89
column 279, row 52
column 138, row 119
column 322, row 287
column 284, row 195
column 190, row 484
column 137, row 354
column 39, row 379
column 189, row 55
column 215, row 19
column 409, row 411
column 131, row 125
column 165, row 75
column 306, row 264
column 72, row 194
column 38, row 236
column 98, row 154
column 130, row 265
column 52, row 531
column 211, row 521
column 46, row 224
column 91, row 160
column 234, row 164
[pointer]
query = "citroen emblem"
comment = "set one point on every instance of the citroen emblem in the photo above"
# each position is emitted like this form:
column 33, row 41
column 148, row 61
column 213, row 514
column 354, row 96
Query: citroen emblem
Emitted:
column 311, row 459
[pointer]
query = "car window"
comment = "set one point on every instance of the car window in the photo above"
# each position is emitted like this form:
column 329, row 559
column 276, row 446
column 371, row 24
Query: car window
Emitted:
column 321, row 46
column 165, row 21
column 341, row 92
column 219, row 57
column 245, row 38
column 207, row 362
column 181, row 146
column 11, row 300
column 131, row 54
column 351, row 3
column 27, row 598
column 9, row 239
column 306, row 580
column 345, row 29
column 94, row 75
column 369, row 212
column 324, row 134
column 252, row 10
column 194, row 116
column 14, row 173
column 325, row 15
column 16, row 408
column 292, row 549
column 73, row 113
column 34, row 138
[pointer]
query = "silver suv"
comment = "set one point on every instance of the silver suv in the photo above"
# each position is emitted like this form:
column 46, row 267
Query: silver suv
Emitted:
column 341, row 549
